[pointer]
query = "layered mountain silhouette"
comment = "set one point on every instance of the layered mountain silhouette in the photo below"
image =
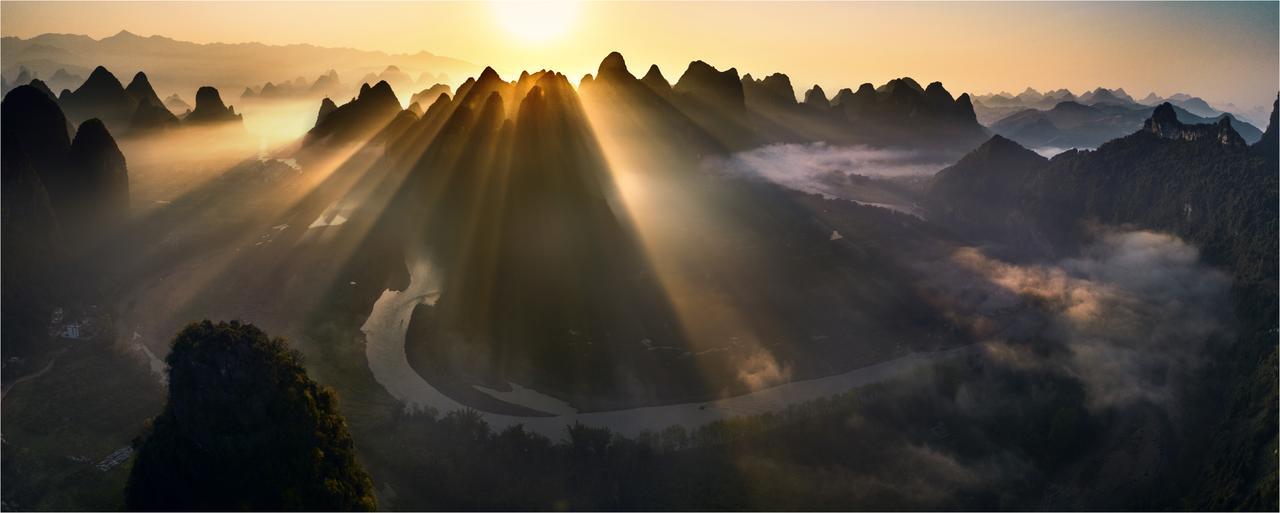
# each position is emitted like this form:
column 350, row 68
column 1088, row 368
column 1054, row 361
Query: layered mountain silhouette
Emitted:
column 59, row 196
column 1197, row 182
column 426, row 97
column 358, row 119
column 150, row 115
column 736, row 113
column 327, row 84
column 168, row 60
column 101, row 96
column 1002, row 191
column 507, row 190
column 991, row 108
column 1072, row 124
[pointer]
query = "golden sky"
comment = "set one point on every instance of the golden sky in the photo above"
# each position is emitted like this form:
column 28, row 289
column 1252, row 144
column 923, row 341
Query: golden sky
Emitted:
column 1224, row 52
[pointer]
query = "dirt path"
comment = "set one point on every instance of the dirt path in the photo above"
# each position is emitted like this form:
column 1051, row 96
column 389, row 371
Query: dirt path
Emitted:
column 4, row 393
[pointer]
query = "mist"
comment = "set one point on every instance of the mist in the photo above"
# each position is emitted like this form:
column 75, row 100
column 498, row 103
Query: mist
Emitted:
column 1129, row 317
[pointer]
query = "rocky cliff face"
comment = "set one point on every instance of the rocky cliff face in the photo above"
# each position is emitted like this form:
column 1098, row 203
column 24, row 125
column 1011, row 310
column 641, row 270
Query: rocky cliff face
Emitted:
column 1164, row 123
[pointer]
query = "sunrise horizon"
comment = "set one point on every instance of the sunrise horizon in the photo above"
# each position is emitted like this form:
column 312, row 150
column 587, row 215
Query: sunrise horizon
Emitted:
column 565, row 255
column 513, row 37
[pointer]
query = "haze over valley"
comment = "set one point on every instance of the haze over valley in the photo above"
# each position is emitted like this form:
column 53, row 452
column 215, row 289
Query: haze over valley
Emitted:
column 407, row 280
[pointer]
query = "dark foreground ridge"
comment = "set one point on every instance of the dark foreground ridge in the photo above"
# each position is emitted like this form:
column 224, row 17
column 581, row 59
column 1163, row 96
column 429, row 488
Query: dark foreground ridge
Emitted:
column 245, row 429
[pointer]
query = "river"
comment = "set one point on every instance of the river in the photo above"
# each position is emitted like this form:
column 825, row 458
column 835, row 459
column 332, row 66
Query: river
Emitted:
column 388, row 323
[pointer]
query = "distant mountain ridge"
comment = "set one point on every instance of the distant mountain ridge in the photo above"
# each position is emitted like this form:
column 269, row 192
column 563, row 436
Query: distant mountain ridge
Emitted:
column 993, row 107
column 227, row 66
column 1076, row 125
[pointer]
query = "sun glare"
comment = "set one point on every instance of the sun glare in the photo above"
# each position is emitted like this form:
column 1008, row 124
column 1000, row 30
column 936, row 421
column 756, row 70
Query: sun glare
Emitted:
column 535, row 21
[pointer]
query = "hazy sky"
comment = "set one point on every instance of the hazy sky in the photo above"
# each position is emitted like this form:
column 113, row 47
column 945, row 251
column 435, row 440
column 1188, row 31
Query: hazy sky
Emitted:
column 1225, row 52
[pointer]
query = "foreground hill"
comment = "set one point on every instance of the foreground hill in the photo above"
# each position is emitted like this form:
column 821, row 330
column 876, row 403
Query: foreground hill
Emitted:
column 239, row 400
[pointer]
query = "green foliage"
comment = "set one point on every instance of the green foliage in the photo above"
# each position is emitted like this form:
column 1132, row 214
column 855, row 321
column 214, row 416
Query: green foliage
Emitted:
column 245, row 429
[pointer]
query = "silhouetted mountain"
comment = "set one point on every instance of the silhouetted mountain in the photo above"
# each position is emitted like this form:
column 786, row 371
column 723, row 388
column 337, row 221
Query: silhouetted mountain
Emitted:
column 973, row 195
column 708, row 87
column 326, row 107
column 38, row 84
column 1070, row 124
column 98, row 188
column 1164, row 123
column 151, row 115
column 140, row 90
column 357, row 119
column 210, row 110
column 715, row 101
column 655, row 81
column 101, row 96
column 1107, row 96
column 425, row 97
column 59, row 197
column 34, row 149
column 816, row 98
column 239, row 400
column 229, row 67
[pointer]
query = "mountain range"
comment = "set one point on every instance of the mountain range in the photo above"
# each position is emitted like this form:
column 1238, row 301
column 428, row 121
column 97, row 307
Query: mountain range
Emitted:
column 1071, row 124
column 596, row 248
column 137, row 109
column 228, row 67
column 991, row 108
column 60, row 193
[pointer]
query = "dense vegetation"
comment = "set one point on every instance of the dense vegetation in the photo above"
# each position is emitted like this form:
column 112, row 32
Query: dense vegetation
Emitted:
column 1222, row 199
column 245, row 429
column 914, row 443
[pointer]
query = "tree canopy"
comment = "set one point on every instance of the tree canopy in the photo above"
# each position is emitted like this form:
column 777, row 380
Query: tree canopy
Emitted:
column 245, row 429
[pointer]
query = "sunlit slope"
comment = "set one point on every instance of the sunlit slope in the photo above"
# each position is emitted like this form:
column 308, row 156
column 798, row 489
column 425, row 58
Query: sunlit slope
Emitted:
column 586, row 252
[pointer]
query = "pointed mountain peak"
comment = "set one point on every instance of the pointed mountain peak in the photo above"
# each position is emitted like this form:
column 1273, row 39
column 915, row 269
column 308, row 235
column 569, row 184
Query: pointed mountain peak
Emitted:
column 101, row 78
column 612, row 63
column 326, row 107
column 654, row 79
column 141, row 91
column 489, row 75
column 140, row 78
column 1164, row 113
column 998, row 144
column 816, row 97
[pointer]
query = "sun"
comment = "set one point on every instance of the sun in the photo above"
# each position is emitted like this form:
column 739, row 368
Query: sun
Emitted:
column 535, row 21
